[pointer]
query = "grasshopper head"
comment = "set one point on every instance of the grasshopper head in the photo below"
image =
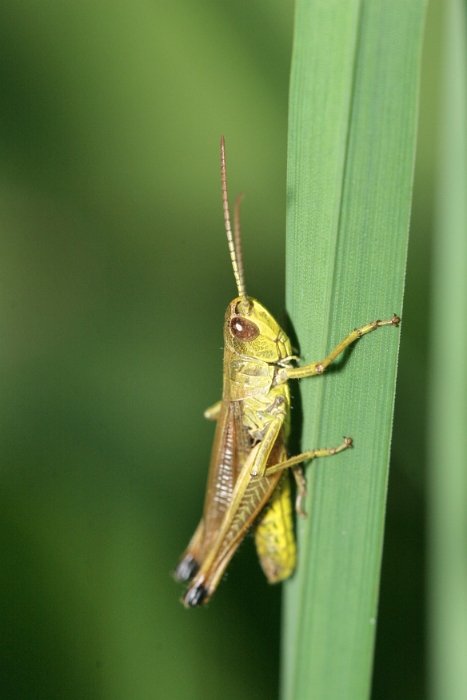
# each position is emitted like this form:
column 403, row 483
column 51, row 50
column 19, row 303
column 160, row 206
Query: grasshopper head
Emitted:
column 251, row 331
column 249, row 328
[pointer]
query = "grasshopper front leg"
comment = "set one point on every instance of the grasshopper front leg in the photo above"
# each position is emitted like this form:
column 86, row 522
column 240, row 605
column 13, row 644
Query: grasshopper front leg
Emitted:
column 318, row 367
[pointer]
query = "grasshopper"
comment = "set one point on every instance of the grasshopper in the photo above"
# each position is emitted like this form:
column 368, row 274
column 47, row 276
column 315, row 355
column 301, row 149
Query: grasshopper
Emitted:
column 248, row 475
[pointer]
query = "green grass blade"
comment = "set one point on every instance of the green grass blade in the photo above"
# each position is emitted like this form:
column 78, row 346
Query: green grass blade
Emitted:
column 353, row 109
column 448, row 372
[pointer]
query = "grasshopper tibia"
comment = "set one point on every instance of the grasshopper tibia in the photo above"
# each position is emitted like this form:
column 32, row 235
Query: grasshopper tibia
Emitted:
column 310, row 454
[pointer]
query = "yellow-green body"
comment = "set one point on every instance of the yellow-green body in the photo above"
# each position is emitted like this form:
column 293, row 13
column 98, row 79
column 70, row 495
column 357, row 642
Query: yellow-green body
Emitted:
column 248, row 481
column 251, row 432
column 253, row 375
column 274, row 534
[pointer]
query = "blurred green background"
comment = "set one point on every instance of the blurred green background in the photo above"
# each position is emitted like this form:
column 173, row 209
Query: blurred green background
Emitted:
column 115, row 277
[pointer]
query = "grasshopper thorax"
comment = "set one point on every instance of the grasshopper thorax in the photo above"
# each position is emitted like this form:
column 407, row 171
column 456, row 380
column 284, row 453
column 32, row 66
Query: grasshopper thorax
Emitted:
column 251, row 331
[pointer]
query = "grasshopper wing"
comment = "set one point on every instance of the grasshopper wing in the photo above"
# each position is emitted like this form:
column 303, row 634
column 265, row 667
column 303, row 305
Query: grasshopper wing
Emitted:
column 231, row 448
column 246, row 502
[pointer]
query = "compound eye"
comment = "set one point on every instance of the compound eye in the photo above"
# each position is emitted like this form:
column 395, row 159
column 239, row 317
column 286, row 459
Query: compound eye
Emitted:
column 243, row 330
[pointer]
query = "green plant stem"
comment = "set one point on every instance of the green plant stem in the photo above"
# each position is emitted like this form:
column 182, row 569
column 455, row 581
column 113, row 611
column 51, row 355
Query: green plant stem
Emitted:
column 448, row 372
column 352, row 130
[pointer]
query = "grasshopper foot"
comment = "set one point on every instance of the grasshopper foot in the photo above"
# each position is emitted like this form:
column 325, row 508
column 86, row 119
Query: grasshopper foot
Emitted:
column 186, row 569
column 195, row 596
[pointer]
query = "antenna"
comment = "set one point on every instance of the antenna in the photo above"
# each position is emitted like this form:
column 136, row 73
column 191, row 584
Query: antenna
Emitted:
column 235, row 248
column 238, row 236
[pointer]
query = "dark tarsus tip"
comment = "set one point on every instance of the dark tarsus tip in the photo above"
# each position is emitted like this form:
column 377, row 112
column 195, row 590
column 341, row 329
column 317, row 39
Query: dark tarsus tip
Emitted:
column 195, row 596
column 187, row 568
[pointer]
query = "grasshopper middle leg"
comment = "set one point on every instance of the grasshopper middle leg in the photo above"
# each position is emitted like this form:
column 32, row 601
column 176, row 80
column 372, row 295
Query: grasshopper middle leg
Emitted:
column 299, row 477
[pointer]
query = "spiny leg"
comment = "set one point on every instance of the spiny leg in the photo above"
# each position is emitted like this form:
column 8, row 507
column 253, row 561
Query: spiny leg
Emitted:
column 310, row 454
column 319, row 367
column 298, row 473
